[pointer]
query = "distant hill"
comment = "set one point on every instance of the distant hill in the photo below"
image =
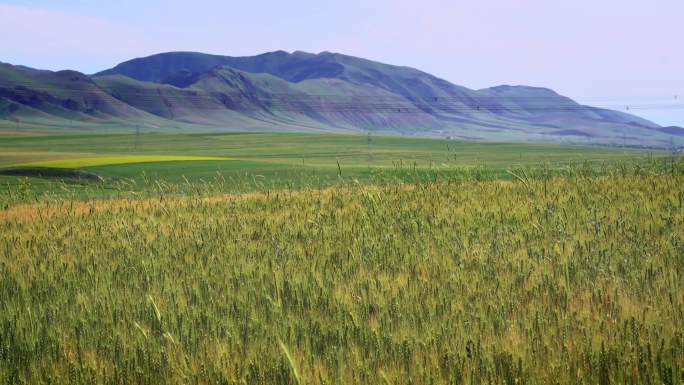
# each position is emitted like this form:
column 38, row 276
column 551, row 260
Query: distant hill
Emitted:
column 672, row 130
column 62, row 95
column 304, row 91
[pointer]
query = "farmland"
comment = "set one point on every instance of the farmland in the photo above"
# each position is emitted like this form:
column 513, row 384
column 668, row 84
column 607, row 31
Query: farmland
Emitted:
column 249, row 161
column 431, row 262
column 493, row 194
column 114, row 160
column 569, row 280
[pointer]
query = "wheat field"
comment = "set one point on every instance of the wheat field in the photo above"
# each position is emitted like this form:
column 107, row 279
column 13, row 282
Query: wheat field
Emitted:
column 565, row 279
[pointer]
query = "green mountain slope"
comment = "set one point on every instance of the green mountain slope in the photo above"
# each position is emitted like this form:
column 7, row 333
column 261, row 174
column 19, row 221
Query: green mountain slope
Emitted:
column 63, row 94
column 409, row 101
column 303, row 91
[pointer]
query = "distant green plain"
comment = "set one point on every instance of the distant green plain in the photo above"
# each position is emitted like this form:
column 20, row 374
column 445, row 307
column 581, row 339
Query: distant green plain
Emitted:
column 268, row 153
column 176, row 164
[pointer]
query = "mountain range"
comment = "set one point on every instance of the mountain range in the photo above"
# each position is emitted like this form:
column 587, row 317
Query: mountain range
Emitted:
column 307, row 92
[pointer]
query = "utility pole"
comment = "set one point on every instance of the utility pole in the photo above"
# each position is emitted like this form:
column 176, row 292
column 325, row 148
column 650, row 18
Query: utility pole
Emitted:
column 673, row 148
column 137, row 136
column 370, row 147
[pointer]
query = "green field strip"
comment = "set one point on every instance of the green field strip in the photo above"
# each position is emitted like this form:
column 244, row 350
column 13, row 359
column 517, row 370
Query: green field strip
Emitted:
column 114, row 160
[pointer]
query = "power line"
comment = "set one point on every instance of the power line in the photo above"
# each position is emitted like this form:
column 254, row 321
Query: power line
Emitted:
column 18, row 85
column 163, row 86
column 330, row 103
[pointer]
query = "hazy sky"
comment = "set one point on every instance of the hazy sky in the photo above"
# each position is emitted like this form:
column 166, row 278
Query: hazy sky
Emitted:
column 601, row 52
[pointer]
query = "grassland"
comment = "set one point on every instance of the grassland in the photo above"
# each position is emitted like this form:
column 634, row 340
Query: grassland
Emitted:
column 79, row 163
column 569, row 280
column 312, row 259
column 291, row 149
column 279, row 160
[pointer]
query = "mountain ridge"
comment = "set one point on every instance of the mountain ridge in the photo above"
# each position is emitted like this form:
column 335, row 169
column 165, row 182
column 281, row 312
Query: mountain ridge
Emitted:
column 306, row 91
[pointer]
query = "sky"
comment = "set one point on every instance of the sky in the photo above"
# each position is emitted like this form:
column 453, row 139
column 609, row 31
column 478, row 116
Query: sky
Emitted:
column 609, row 53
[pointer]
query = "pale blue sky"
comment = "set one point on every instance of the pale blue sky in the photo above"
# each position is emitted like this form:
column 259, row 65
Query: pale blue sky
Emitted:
column 601, row 52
